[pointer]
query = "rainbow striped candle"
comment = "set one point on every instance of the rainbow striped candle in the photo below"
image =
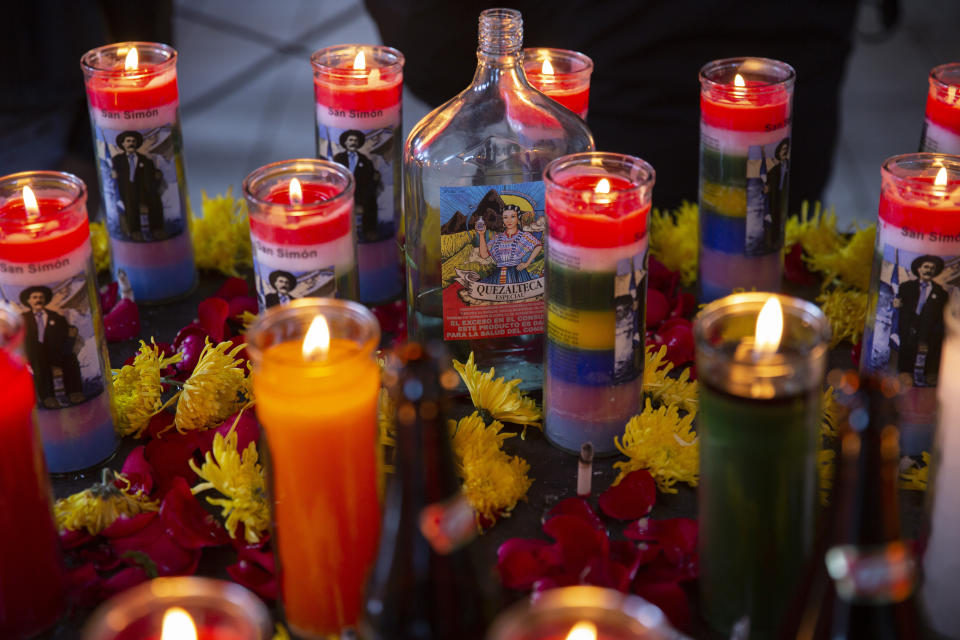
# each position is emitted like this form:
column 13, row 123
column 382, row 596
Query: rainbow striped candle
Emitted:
column 597, row 206
column 745, row 107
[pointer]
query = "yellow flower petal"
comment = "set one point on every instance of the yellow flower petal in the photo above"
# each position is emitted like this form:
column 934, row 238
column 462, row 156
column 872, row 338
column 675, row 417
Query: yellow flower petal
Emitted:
column 137, row 390
column 916, row 477
column 674, row 240
column 846, row 310
column 100, row 242
column 498, row 397
column 96, row 508
column 221, row 236
column 664, row 388
column 662, row 442
column 215, row 390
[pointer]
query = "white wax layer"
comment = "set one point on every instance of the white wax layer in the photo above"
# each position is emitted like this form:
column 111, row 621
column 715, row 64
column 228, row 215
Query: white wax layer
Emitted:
column 43, row 272
column 298, row 258
column 136, row 119
column 940, row 139
column 592, row 259
column 892, row 235
column 355, row 119
column 724, row 139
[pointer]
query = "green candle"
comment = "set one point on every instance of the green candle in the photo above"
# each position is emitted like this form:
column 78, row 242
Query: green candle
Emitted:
column 758, row 426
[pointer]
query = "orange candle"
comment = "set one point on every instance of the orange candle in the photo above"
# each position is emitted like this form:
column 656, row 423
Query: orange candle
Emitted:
column 317, row 402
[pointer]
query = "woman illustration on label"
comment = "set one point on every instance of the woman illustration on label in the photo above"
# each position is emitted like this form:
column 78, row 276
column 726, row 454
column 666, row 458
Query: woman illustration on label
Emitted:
column 513, row 249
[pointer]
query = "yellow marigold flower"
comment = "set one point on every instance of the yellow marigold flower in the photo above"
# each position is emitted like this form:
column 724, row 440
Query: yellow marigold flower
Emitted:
column 849, row 265
column 137, row 390
column 662, row 442
column 674, row 240
column 846, row 311
column 247, row 318
column 826, row 471
column 664, row 388
column 493, row 481
column 96, row 508
column 499, row 398
column 817, row 232
column 915, row 477
column 280, row 632
column 832, row 412
column 221, row 236
column 240, row 479
column 100, row 242
column 216, row 389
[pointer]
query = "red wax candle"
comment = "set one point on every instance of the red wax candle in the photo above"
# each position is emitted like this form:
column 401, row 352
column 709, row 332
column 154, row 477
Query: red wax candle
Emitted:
column 754, row 106
column 562, row 74
column 358, row 91
column 46, row 273
column 134, row 111
column 941, row 131
column 31, row 573
column 303, row 242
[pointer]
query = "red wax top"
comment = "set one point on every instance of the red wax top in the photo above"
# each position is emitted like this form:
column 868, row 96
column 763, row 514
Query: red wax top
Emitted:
column 206, row 633
column 621, row 221
column 924, row 212
column 569, row 94
column 944, row 109
column 118, row 90
column 358, row 93
column 321, row 217
column 758, row 106
column 59, row 229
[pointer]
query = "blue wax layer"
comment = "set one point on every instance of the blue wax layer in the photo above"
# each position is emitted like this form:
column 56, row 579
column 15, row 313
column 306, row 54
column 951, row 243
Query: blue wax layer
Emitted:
column 379, row 270
column 77, row 437
column 157, row 270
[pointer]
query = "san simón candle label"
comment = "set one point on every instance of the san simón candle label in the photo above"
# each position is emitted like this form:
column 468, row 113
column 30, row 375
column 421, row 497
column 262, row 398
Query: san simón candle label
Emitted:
column 491, row 248
column 60, row 337
column 916, row 270
column 284, row 272
column 140, row 163
column 938, row 139
column 368, row 143
column 744, row 178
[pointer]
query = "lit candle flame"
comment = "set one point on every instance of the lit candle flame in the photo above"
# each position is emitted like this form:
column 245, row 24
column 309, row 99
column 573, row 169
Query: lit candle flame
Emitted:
column 583, row 631
column 30, row 203
column 316, row 344
column 769, row 328
column 603, row 186
column 295, row 191
column 360, row 62
column 132, row 61
column 547, row 68
column 738, row 81
column 178, row 625
column 941, row 179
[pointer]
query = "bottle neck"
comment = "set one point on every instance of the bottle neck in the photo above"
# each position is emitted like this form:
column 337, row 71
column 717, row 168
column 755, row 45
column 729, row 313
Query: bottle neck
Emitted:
column 500, row 49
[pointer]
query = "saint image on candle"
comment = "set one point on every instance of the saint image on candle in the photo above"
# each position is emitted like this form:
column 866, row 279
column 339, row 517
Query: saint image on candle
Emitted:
column 628, row 345
column 367, row 180
column 287, row 286
column 138, row 188
column 768, row 172
column 919, row 302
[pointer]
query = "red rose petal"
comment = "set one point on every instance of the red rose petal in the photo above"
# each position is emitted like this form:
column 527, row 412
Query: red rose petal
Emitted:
column 138, row 471
column 213, row 313
column 153, row 540
column 187, row 522
column 248, row 430
column 189, row 342
column 679, row 341
column 521, row 562
column 660, row 278
column 577, row 507
column 631, row 555
column 170, row 454
column 122, row 322
column 602, row 572
column 108, row 296
column 632, row 498
column 576, row 541
column 122, row 580
column 795, row 268
column 670, row 597
column 242, row 303
column 83, row 585
column 73, row 539
column 657, row 307
column 128, row 525
column 232, row 288
column 253, row 577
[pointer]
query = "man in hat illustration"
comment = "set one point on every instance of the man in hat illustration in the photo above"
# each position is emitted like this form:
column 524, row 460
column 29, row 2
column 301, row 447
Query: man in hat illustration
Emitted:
column 366, row 179
column 50, row 342
column 283, row 282
column 921, row 301
column 138, row 186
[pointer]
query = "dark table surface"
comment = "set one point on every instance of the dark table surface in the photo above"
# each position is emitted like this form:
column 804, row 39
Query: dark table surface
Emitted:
column 553, row 471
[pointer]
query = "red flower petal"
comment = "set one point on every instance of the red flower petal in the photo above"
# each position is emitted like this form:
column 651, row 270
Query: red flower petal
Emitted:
column 242, row 303
column 521, row 562
column 577, row 542
column 248, row 430
column 122, row 322
column 631, row 555
column 258, row 556
column 128, row 525
column 169, row 455
column 253, row 577
column 795, row 268
column 657, row 307
column 102, row 556
column 632, row 498
column 153, row 540
column 679, row 341
column 671, row 599
column 602, row 572
column 138, row 471
column 577, row 507
column 392, row 317
column 159, row 423
column 232, row 288
column 187, row 522
column 122, row 580
column 660, row 278
column 213, row 313
column 108, row 296
column 83, row 585
column 685, row 304
column 189, row 342
column 73, row 539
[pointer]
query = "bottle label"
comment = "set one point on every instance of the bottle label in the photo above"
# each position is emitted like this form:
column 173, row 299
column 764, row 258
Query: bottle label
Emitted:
column 287, row 272
column 491, row 248
column 873, row 575
column 368, row 143
column 744, row 178
column 140, row 163
column 916, row 270
column 939, row 139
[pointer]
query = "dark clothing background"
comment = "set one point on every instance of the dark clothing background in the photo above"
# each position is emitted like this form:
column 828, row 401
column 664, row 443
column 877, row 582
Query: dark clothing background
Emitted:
column 142, row 191
column 365, row 193
column 56, row 350
column 923, row 328
column 644, row 96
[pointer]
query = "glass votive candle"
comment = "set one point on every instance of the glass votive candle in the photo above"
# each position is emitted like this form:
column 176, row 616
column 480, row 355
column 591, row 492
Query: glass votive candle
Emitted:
column 761, row 360
column 32, row 586
column 135, row 115
column 46, row 272
column 316, row 382
column 562, row 74
column 359, row 101
column 302, row 232
column 589, row 613
column 745, row 113
column 597, row 207
column 154, row 610
column 915, row 265
column 941, row 125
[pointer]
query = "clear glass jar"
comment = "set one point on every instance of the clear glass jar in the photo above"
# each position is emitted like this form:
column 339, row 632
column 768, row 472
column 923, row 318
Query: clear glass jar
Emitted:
column 465, row 164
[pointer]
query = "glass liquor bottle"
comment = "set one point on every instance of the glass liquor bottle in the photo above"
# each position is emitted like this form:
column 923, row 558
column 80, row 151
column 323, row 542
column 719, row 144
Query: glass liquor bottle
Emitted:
column 474, row 213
